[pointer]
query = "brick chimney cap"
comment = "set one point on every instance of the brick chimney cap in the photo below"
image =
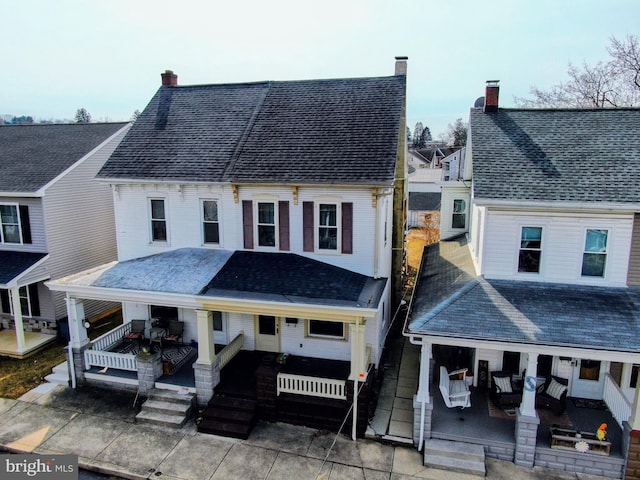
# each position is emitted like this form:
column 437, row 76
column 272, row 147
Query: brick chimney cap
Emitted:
column 492, row 83
column 402, row 58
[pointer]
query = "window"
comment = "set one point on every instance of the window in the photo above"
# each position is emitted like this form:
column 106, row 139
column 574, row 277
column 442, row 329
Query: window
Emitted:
column 266, row 224
column 322, row 328
column 633, row 381
column 10, row 223
column 217, row 322
column 163, row 313
column 589, row 370
column 158, row 221
column 210, row 222
column 594, row 257
column 29, row 301
column 328, row 226
column 459, row 218
column 530, row 249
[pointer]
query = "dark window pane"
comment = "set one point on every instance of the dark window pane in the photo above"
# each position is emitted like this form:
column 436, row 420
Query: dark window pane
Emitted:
column 328, row 329
column 328, row 215
column 634, row 376
column 593, row 264
column 217, row 321
column 328, row 238
column 211, row 234
column 163, row 313
column 266, row 325
column 529, row 261
column 210, row 211
column 159, row 230
column 458, row 220
column 157, row 209
column 266, row 213
column 589, row 369
column 531, row 237
column 266, row 236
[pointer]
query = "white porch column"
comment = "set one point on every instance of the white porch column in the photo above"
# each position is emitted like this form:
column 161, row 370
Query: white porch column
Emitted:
column 423, row 379
column 634, row 419
column 77, row 333
column 528, row 405
column 358, row 352
column 206, row 346
column 17, row 318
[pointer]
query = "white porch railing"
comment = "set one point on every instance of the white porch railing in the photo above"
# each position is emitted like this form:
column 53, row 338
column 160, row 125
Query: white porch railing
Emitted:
column 230, row 351
column 618, row 404
column 107, row 341
column 121, row 361
column 98, row 354
column 312, row 386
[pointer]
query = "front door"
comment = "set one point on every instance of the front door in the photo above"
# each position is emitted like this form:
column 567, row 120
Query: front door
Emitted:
column 587, row 379
column 267, row 333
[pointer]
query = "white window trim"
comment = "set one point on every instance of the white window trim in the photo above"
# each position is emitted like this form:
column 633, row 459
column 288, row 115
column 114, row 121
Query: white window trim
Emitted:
column 608, row 253
column 540, row 272
column 316, row 226
column 276, row 224
column 166, row 221
column 466, row 213
column 201, row 205
column 2, row 240
column 308, row 333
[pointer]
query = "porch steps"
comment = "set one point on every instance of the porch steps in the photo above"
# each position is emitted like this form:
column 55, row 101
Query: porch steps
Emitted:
column 59, row 375
column 455, row 456
column 229, row 417
column 167, row 408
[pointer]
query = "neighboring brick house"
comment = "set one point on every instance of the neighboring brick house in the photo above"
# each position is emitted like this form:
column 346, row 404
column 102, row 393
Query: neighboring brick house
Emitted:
column 537, row 284
column 54, row 220
column 261, row 217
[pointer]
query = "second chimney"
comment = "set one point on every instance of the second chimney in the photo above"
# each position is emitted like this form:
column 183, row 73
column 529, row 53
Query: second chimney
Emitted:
column 491, row 96
column 401, row 66
column 169, row 78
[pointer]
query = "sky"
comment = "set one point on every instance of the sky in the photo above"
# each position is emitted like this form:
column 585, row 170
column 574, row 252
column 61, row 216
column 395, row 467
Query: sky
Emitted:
column 107, row 56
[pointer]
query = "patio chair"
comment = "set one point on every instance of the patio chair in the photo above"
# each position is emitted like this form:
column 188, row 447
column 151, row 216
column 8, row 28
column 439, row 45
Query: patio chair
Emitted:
column 504, row 393
column 553, row 394
column 137, row 331
column 455, row 392
column 174, row 333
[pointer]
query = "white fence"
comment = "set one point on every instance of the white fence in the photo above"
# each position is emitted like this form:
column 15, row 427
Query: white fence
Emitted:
column 111, row 338
column 618, row 404
column 230, row 351
column 312, row 386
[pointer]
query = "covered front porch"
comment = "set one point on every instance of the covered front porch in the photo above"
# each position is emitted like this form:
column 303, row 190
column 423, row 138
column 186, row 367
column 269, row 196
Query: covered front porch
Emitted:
column 31, row 343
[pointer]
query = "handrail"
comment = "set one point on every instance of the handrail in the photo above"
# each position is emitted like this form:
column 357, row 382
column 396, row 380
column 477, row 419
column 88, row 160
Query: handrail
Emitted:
column 121, row 361
column 112, row 337
column 230, row 351
column 616, row 400
column 311, row 386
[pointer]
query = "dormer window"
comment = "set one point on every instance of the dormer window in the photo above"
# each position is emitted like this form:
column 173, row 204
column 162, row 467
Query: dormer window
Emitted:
column 266, row 224
column 158, row 221
column 530, row 250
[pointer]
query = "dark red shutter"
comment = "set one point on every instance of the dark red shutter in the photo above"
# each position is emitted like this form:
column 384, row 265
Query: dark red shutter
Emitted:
column 307, row 226
column 347, row 228
column 283, row 225
column 25, row 226
column 247, row 223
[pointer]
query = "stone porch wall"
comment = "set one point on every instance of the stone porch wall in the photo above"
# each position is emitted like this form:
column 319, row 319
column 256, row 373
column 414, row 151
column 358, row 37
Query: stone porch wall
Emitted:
column 577, row 462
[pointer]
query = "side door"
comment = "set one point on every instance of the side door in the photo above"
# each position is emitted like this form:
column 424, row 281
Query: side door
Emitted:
column 267, row 333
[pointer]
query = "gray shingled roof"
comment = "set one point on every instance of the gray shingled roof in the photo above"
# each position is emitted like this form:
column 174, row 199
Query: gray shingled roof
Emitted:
column 316, row 131
column 13, row 264
column 450, row 301
column 424, row 201
column 556, row 155
column 33, row 155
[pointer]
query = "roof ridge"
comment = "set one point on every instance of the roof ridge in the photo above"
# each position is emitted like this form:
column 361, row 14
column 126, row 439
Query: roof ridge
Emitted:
column 245, row 135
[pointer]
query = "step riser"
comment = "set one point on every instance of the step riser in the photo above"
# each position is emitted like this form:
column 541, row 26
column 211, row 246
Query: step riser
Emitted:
column 168, row 399
column 445, row 454
column 167, row 411
column 163, row 423
column 479, row 472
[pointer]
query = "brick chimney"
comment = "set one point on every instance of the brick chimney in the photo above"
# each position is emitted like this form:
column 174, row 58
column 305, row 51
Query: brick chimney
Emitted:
column 491, row 96
column 401, row 65
column 169, row 78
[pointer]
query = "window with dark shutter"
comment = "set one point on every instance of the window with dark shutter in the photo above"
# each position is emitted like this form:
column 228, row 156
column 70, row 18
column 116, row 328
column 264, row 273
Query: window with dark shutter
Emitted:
column 25, row 225
column 347, row 228
column 283, row 225
column 247, row 223
column 307, row 226
column 5, row 301
column 34, row 300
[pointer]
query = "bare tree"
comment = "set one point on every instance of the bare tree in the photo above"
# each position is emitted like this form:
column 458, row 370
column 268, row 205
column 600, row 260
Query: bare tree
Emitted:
column 418, row 138
column 615, row 83
column 457, row 133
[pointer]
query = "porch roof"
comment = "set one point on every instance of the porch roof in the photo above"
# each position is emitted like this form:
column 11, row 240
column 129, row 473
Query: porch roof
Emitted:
column 451, row 301
column 14, row 264
column 257, row 276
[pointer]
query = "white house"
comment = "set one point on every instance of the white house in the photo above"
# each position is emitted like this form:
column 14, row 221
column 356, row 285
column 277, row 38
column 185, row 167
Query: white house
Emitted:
column 55, row 219
column 539, row 284
column 260, row 217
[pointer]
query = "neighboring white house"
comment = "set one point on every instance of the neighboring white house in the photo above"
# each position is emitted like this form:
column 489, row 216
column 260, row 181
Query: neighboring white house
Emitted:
column 55, row 219
column 249, row 214
column 538, row 279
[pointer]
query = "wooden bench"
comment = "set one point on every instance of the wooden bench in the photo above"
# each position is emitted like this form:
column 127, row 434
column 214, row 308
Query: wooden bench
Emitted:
column 566, row 439
column 455, row 392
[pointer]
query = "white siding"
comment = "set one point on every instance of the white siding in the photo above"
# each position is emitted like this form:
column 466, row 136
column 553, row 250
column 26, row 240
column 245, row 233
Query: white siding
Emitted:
column 79, row 219
column 451, row 192
column 562, row 246
column 184, row 223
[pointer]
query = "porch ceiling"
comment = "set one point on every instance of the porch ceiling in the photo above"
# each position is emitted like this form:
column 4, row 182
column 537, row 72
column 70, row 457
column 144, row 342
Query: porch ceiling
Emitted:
column 521, row 312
